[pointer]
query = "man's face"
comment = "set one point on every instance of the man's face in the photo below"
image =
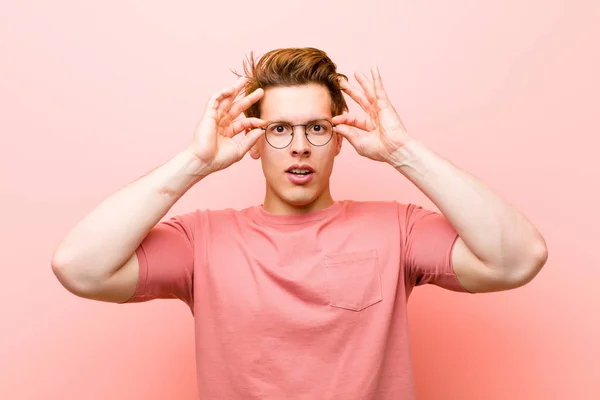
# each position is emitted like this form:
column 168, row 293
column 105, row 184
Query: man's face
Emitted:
column 286, row 192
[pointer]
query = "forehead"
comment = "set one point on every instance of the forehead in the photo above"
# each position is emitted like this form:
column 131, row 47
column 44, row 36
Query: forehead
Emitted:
column 296, row 104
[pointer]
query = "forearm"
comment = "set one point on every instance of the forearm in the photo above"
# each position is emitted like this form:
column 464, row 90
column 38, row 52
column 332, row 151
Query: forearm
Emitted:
column 109, row 235
column 496, row 232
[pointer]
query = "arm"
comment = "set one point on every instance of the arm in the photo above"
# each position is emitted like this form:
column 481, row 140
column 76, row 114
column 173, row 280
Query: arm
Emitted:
column 497, row 248
column 97, row 259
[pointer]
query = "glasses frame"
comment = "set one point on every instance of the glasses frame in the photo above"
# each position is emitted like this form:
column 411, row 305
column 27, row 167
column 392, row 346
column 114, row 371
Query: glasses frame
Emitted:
column 305, row 132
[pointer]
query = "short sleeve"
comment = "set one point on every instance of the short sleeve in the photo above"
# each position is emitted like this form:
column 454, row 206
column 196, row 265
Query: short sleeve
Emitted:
column 428, row 239
column 166, row 260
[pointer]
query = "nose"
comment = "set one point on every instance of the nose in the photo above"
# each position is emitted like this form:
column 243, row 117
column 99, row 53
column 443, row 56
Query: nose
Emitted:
column 300, row 144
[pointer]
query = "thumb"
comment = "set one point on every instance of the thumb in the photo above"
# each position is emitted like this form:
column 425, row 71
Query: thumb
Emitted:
column 249, row 139
column 349, row 133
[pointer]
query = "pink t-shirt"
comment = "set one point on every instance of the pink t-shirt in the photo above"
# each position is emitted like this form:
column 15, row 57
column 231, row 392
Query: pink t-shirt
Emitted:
column 310, row 306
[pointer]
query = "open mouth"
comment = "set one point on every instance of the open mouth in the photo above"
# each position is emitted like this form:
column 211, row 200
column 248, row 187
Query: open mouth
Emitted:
column 300, row 169
column 300, row 172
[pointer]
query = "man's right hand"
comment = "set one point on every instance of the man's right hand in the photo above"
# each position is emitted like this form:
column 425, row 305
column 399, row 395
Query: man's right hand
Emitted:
column 213, row 143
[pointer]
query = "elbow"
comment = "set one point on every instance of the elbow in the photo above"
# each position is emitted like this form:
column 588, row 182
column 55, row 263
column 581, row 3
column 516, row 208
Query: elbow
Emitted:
column 64, row 274
column 533, row 266
column 60, row 267
column 69, row 275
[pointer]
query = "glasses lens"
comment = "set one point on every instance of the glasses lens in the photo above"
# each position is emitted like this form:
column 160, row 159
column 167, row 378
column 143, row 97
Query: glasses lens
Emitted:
column 279, row 134
column 319, row 132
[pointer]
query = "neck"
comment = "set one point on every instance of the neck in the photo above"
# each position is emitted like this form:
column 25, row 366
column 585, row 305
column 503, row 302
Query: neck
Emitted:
column 276, row 205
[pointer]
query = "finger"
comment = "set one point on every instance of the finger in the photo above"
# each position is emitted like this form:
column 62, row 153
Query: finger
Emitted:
column 231, row 94
column 379, row 90
column 214, row 115
column 249, row 140
column 348, row 132
column 247, row 123
column 213, row 106
column 240, row 95
column 215, row 101
column 225, row 124
column 356, row 94
column 227, row 117
column 352, row 120
column 242, row 105
column 206, row 131
column 366, row 86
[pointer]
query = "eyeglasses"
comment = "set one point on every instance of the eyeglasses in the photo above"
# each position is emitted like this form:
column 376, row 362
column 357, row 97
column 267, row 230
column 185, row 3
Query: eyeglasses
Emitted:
column 280, row 134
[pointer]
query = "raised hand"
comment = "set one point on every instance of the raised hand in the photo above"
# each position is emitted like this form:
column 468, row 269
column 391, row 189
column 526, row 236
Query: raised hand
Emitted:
column 382, row 133
column 213, row 142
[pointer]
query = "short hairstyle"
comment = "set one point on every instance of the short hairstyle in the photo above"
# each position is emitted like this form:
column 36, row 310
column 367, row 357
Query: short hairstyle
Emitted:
column 291, row 67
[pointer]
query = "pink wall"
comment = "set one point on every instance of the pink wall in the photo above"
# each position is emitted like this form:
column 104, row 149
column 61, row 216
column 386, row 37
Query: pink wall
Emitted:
column 93, row 96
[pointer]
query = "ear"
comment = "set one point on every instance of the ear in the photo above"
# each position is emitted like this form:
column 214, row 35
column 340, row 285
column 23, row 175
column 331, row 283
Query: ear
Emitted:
column 338, row 145
column 254, row 153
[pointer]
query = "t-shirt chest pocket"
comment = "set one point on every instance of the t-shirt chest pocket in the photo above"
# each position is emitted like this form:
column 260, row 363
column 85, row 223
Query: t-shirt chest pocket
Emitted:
column 353, row 279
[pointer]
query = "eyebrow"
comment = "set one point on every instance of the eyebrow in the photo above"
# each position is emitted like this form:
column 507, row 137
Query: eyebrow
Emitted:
column 306, row 121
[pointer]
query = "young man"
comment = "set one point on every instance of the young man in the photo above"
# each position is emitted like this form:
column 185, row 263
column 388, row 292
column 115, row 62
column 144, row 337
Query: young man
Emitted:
column 300, row 297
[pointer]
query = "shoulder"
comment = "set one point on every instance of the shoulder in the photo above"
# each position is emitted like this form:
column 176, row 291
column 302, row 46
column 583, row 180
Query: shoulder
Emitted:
column 200, row 216
column 385, row 208
column 225, row 216
column 404, row 213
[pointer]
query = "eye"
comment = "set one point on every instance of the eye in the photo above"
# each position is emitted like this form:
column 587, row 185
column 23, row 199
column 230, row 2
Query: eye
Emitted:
column 320, row 128
column 279, row 129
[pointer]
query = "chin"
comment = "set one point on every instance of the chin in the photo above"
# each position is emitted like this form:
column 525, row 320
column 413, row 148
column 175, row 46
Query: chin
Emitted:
column 299, row 200
column 299, row 196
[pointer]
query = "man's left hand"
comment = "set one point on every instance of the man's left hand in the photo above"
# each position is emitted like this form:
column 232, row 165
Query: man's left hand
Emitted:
column 380, row 133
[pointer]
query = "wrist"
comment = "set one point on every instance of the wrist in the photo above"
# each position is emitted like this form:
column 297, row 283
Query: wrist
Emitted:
column 405, row 155
column 179, row 174
column 191, row 165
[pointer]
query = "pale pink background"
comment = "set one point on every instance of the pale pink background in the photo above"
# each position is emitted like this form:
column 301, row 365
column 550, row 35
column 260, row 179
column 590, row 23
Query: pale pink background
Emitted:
column 94, row 95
